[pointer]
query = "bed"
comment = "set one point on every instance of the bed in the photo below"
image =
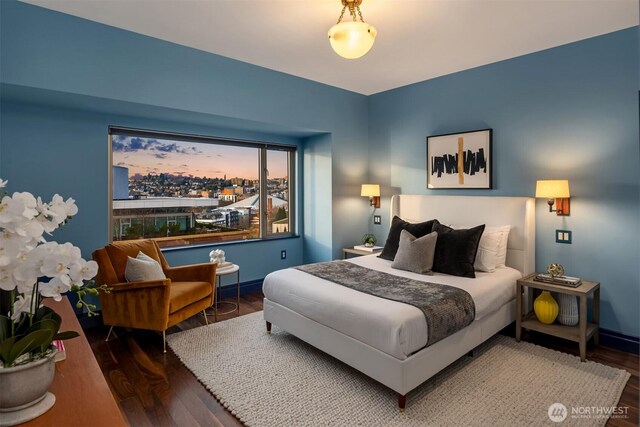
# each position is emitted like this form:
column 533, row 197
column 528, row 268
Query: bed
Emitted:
column 386, row 339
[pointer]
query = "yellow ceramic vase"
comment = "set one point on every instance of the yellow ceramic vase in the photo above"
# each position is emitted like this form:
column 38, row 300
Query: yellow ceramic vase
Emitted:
column 546, row 308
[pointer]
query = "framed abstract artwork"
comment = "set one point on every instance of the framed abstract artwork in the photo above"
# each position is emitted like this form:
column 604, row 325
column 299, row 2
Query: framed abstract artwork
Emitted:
column 459, row 160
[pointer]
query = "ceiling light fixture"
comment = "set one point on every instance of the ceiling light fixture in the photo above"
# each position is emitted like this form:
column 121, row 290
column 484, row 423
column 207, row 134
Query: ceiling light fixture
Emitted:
column 353, row 39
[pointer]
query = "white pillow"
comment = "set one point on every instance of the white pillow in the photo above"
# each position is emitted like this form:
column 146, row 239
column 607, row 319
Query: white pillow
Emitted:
column 502, row 250
column 143, row 268
column 492, row 249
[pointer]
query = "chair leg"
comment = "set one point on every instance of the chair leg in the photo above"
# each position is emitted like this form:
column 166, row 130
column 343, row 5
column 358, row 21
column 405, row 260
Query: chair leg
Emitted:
column 268, row 327
column 109, row 334
column 204, row 313
column 164, row 341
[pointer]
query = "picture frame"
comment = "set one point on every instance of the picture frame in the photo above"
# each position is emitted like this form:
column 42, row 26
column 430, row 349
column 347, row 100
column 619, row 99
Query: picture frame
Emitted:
column 460, row 160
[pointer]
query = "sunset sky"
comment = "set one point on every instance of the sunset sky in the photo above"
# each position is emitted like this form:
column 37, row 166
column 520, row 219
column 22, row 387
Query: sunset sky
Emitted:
column 148, row 155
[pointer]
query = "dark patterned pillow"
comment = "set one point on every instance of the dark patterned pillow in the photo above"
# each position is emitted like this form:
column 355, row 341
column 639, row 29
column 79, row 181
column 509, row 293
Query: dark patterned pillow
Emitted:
column 456, row 250
column 393, row 239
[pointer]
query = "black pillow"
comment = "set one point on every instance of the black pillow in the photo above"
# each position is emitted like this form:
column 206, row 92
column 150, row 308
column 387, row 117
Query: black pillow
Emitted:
column 393, row 239
column 456, row 250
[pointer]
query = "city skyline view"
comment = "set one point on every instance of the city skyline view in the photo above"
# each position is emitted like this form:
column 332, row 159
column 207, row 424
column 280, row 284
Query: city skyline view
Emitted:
column 182, row 193
column 143, row 156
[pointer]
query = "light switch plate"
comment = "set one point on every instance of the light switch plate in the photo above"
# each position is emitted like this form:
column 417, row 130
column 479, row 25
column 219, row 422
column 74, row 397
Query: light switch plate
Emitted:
column 563, row 236
column 377, row 219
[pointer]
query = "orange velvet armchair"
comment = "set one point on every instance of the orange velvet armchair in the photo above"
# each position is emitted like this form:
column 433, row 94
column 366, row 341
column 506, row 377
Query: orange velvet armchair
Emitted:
column 155, row 305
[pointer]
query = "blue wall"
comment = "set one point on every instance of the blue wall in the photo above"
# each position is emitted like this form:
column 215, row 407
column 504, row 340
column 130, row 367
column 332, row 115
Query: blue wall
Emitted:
column 65, row 79
column 565, row 113
column 74, row 164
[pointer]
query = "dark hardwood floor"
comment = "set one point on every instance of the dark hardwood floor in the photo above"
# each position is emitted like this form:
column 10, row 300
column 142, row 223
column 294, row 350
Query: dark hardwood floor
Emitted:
column 155, row 389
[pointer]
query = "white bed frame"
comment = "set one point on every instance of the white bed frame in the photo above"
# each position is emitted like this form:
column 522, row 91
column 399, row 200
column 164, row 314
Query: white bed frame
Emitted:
column 404, row 375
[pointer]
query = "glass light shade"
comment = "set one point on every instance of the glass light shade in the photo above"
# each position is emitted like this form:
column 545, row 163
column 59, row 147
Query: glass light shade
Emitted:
column 552, row 189
column 352, row 40
column 370, row 190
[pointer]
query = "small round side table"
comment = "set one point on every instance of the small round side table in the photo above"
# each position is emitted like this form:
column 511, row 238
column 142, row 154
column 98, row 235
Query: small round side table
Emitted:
column 226, row 271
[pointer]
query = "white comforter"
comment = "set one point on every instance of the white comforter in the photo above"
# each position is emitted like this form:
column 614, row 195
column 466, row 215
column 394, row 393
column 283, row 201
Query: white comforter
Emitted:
column 395, row 328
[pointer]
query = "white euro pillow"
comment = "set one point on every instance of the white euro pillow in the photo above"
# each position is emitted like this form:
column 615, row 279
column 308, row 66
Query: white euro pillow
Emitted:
column 502, row 250
column 143, row 268
column 492, row 249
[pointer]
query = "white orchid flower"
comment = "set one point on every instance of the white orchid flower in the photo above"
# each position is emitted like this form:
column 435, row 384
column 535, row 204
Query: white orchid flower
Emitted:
column 54, row 288
column 25, row 256
column 70, row 207
column 27, row 202
column 55, row 265
column 10, row 246
column 26, row 273
column 21, row 305
column 68, row 250
column 10, row 212
column 83, row 270
column 6, row 278
column 61, row 209
column 31, row 229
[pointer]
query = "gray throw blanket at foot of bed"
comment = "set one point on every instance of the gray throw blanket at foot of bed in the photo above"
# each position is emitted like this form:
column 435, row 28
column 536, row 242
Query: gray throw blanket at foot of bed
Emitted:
column 447, row 309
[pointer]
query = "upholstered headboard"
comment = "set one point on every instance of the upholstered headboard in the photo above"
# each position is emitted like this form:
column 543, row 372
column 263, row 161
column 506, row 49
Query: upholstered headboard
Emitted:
column 518, row 212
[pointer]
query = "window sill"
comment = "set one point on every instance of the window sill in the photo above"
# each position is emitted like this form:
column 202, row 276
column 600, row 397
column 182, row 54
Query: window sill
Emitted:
column 238, row 242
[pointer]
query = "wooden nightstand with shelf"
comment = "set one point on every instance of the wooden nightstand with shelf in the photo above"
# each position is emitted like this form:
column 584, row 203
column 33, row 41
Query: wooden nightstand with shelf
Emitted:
column 358, row 252
column 582, row 332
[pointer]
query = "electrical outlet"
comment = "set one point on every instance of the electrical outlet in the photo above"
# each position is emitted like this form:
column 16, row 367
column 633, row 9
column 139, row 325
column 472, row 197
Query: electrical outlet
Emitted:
column 283, row 254
column 563, row 236
column 377, row 219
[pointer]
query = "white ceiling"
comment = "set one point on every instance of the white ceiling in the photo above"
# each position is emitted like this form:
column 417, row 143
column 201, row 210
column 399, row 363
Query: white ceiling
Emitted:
column 417, row 39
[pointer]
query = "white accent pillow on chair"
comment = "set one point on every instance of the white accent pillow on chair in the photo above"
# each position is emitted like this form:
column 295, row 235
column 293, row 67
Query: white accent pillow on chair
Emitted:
column 143, row 268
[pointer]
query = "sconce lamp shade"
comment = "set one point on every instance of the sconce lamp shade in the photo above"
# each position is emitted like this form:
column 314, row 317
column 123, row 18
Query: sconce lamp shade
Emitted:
column 352, row 40
column 370, row 190
column 552, row 189
column 556, row 192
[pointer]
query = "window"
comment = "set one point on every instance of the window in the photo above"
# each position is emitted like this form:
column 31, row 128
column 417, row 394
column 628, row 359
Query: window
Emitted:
column 183, row 190
column 278, row 208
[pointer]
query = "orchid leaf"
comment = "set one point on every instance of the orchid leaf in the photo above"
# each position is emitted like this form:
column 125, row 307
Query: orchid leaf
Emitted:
column 5, row 328
column 66, row 335
column 5, row 349
column 42, row 313
column 56, row 317
column 47, row 325
column 29, row 343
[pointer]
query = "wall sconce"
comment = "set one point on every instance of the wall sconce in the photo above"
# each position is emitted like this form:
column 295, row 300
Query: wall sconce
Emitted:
column 555, row 191
column 373, row 192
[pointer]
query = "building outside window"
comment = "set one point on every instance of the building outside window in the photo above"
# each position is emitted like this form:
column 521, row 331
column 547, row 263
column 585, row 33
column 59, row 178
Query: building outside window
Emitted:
column 183, row 190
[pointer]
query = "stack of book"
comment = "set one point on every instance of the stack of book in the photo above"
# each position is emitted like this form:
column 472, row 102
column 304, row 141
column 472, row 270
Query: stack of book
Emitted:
column 62, row 353
column 368, row 248
column 558, row 280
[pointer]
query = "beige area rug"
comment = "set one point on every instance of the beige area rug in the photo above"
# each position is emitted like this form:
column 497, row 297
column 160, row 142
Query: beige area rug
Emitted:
column 278, row 380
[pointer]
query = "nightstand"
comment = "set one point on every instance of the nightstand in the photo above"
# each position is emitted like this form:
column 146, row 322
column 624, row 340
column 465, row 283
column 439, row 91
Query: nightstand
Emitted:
column 582, row 332
column 357, row 252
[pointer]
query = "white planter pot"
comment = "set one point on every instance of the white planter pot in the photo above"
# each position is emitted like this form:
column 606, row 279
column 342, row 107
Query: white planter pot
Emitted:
column 23, row 391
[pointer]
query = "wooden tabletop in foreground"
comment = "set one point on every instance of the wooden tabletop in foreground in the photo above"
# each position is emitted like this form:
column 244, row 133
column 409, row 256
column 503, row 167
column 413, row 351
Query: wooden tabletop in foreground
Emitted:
column 82, row 395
